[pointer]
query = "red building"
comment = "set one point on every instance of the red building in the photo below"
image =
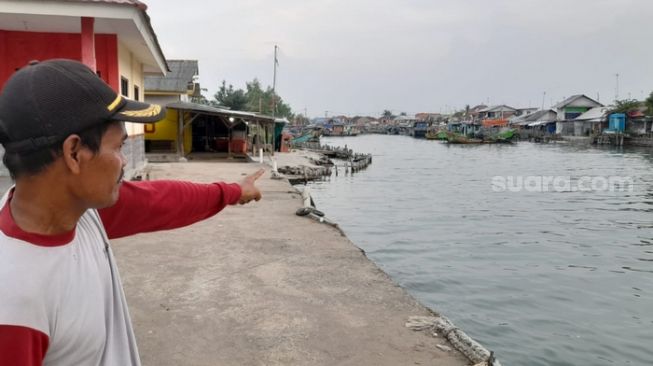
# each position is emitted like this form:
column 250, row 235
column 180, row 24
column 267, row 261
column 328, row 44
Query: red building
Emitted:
column 112, row 37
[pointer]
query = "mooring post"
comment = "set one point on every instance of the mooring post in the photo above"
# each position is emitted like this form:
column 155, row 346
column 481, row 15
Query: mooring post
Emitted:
column 306, row 196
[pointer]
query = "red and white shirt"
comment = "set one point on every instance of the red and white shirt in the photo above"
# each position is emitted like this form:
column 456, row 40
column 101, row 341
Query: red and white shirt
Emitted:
column 61, row 298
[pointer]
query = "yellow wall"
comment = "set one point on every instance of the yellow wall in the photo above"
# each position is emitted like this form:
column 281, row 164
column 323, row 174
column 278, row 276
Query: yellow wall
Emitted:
column 131, row 69
column 166, row 129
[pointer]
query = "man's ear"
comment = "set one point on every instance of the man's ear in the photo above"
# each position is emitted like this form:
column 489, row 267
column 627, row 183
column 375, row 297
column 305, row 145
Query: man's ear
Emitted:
column 72, row 149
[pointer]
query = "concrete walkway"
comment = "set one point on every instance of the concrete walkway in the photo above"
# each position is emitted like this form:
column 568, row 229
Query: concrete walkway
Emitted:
column 258, row 285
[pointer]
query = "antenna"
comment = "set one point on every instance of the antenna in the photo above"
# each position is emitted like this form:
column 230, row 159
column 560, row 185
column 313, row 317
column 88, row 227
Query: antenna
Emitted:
column 274, row 82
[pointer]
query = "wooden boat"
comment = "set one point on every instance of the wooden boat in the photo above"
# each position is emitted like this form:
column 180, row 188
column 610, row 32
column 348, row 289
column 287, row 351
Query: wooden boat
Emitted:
column 461, row 139
column 500, row 137
column 436, row 135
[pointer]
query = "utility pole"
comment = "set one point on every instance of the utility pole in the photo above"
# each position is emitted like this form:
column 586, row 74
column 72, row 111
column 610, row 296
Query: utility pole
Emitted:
column 274, row 82
column 543, row 97
column 616, row 89
column 326, row 114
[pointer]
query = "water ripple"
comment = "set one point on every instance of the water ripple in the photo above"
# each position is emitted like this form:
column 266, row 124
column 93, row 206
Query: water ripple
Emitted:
column 541, row 278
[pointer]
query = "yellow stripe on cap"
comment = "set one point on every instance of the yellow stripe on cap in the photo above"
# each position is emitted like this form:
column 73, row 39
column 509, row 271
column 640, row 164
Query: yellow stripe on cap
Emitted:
column 151, row 111
column 115, row 103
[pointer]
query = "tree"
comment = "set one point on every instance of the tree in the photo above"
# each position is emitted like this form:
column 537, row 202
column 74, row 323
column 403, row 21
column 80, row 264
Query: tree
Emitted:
column 624, row 106
column 252, row 99
column 255, row 96
column 387, row 114
column 235, row 99
column 649, row 104
column 263, row 101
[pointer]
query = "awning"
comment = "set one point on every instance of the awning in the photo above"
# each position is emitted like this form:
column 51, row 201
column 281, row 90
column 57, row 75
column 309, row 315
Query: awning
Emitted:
column 540, row 123
column 207, row 109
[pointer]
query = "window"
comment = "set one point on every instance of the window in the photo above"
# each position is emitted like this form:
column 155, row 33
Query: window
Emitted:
column 124, row 86
column 136, row 92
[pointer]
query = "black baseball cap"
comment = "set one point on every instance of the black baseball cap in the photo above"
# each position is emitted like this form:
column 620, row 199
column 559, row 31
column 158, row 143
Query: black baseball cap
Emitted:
column 45, row 102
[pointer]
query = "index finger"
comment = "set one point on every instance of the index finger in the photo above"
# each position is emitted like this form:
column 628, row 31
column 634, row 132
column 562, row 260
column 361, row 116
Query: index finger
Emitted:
column 257, row 175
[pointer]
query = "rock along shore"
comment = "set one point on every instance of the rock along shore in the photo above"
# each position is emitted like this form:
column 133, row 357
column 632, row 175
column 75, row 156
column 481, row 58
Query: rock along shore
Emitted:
column 258, row 285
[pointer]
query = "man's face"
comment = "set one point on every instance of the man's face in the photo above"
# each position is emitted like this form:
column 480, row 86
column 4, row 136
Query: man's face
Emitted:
column 102, row 173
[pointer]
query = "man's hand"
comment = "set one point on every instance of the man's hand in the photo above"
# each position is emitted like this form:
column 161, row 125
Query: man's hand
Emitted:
column 250, row 192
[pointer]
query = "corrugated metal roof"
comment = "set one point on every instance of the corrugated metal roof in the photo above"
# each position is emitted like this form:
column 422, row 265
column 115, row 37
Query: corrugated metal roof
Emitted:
column 404, row 118
column 177, row 80
column 541, row 116
column 594, row 114
column 217, row 111
column 572, row 99
column 498, row 108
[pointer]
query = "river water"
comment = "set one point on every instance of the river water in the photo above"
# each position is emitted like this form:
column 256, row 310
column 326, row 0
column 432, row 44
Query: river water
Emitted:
column 542, row 275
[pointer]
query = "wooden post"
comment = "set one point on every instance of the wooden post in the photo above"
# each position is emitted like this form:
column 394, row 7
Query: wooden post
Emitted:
column 229, row 138
column 180, row 135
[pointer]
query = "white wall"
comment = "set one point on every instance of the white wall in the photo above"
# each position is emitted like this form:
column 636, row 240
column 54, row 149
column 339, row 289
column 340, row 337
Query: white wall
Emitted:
column 131, row 69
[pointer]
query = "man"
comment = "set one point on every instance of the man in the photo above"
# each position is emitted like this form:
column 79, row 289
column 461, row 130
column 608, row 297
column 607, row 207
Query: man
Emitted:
column 61, row 298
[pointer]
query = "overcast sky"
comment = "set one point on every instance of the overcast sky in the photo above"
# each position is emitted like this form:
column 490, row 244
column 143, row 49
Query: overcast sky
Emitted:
column 364, row 56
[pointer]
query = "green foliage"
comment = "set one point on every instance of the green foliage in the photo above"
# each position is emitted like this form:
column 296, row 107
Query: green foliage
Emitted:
column 253, row 99
column 387, row 114
column 624, row 106
column 256, row 98
column 229, row 97
column 649, row 104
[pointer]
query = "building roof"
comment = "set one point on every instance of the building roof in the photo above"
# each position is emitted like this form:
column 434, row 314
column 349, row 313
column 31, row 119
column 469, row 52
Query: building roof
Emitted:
column 207, row 109
column 126, row 18
column 594, row 114
column 499, row 108
column 574, row 98
column 404, row 118
column 541, row 116
column 177, row 80
column 135, row 3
